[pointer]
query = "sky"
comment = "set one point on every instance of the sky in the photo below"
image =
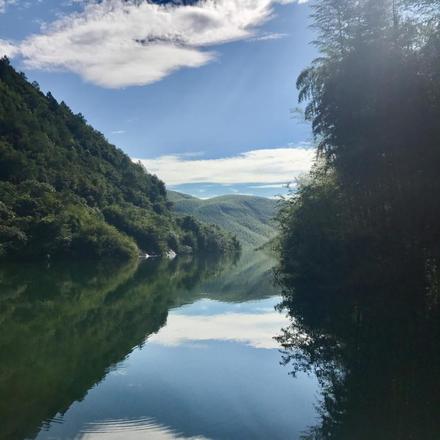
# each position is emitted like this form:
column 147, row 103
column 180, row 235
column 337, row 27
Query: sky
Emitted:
column 201, row 92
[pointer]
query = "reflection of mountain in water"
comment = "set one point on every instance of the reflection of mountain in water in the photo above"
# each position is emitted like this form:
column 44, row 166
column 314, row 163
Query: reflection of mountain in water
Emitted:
column 249, row 279
column 63, row 328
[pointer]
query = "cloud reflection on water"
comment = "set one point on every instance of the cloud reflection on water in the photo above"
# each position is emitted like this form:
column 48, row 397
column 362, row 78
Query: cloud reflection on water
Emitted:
column 254, row 327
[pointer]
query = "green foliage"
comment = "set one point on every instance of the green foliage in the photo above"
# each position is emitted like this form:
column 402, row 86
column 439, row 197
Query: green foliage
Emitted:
column 373, row 98
column 249, row 218
column 64, row 190
column 311, row 229
column 206, row 238
column 145, row 227
column 38, row 221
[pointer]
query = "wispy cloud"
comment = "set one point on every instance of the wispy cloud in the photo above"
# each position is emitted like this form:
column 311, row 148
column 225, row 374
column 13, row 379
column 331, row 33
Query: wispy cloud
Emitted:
column 266, row 166
column 269, row 186
column 23, row 4
column 4, row 3
column 268, row 37
column 118, row 43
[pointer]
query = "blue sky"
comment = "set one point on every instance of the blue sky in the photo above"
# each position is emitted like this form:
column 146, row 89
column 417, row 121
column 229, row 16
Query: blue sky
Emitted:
column 202, row 94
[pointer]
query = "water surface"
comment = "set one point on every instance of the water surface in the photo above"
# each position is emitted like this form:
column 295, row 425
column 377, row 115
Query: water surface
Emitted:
column 161, row 350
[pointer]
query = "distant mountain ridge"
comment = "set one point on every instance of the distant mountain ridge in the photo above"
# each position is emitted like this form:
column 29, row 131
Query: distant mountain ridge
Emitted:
column 249, row 218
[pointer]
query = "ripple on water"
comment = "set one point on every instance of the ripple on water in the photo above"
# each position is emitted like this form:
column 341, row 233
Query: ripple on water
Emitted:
column 140, row 428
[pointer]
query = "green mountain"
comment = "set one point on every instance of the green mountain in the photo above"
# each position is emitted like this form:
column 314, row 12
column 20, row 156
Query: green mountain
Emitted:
column 249, row 218
column 65, row 191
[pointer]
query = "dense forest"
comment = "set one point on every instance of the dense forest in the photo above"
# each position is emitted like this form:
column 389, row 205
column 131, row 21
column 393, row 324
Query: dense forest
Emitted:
column 360, row 235
column 249, row 218
column 373, row 98
column 65, row 191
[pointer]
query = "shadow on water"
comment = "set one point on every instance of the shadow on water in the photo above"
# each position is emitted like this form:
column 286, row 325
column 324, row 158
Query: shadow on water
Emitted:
column 371, row 335
column 64, row 327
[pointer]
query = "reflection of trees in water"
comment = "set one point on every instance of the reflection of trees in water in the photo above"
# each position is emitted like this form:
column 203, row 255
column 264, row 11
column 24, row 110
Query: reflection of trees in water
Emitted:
column 62, row 328
column 249, row 278
column 372, row 339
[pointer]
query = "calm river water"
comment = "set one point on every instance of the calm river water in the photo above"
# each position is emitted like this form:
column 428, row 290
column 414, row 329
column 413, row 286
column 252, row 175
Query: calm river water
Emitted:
column 162, row 350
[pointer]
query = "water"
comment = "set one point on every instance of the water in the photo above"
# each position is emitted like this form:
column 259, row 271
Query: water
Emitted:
column 160, row 350
column 371, row 334
column 186, row 349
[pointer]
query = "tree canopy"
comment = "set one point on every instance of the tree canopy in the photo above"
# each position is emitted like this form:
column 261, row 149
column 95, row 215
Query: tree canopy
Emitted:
column 373, row 99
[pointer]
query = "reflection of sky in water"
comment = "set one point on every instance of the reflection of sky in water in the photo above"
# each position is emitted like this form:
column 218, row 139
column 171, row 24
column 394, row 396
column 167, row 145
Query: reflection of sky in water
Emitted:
column 253, row 323
column 210, row 307
column 212, row 372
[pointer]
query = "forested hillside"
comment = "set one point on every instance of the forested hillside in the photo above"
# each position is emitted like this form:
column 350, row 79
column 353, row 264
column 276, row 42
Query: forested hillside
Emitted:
column 64, row 190
column 250, row 219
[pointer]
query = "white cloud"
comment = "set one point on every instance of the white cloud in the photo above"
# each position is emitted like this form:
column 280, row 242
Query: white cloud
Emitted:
column 7, row 48
column 117, row 43
column 268, row 166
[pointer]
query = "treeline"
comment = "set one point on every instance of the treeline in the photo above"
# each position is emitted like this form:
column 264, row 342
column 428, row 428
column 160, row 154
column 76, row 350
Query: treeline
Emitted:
column 373, row 99
column 64, row 190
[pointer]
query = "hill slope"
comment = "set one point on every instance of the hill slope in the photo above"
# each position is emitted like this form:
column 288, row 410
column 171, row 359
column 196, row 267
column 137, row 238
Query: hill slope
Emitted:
column 249, row 218
column 64, row 190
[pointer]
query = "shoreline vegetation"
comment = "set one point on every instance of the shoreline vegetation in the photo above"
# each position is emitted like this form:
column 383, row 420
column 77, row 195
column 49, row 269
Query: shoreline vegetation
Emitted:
column 66, row 192
column 373, row 99
column 359, row 243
